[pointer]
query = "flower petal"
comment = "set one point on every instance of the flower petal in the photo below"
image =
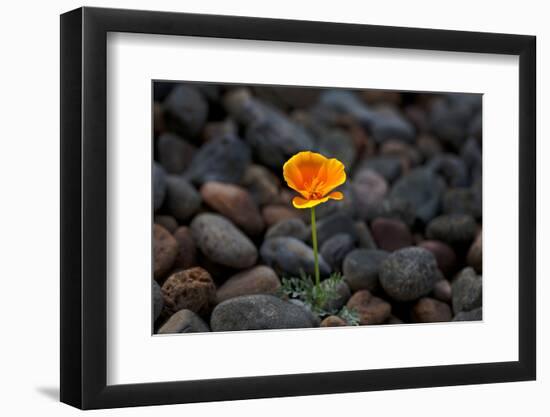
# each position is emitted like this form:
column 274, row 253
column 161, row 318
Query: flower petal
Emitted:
column 302, row 169
column 336, row 195
column 331, row 176
column 302, row 203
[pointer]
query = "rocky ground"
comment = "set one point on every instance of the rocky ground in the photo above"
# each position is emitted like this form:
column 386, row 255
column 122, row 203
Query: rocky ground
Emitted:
column 406, row 237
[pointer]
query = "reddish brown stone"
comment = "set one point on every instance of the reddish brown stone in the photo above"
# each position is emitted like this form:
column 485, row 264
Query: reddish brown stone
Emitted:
column 275, row 213
column 443, row 291
column 258, row 280
column 444, row 255
column 187, row 252
column 475, row 258
column 391, row 234
column 371, row 309
column 192, row 289
column 430, row 310
column 165, row 250
column 235, row 203
column 394, row 320
column 168, row 222
column 333, row 321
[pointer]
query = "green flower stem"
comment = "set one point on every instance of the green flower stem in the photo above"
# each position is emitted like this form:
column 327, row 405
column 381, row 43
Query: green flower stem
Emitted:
column 315, row 255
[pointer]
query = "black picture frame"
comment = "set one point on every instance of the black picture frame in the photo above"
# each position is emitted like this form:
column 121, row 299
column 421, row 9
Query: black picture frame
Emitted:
column 84, row 207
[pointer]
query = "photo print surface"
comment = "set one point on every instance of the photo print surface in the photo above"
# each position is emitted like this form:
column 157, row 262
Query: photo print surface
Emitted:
column 279, row 207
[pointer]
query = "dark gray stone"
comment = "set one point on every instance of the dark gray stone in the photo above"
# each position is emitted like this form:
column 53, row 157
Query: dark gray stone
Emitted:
column 158, row 301
column 364, row 236
column 361, row 268
column 335, row 249
column 467, row 291
column 335, row 224
column 187, row 110
column 182, row 199
column 221, row 242
column 472, row 315
column 408, row 274
column 275, row 138
column 159, row 185
column 289, row 257
column 334, row 305
column 174, row 153
column 292, row 227
column 462, row 201
column 451, row 168
column 382, row 125
column 388, row 167
column 336, row 143
column 224, row 159
column 259, row 312
column 422, row 190
column 184, row 321
column 450, row 117
column 454, row 229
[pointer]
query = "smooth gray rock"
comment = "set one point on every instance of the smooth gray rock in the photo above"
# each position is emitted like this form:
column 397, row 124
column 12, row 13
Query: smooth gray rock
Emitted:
column 184, row 321
column 361, row 268
column 422, row 189
column 292, row 227
column 223, row 159
column 289, row 257
column 258, row 312
column 182, row 199
column 221, row 242
column 334, row 224
column 335, row 249
column 187, row 110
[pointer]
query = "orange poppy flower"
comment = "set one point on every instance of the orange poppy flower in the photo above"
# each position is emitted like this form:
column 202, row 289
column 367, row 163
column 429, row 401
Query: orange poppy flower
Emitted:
column 314, row 177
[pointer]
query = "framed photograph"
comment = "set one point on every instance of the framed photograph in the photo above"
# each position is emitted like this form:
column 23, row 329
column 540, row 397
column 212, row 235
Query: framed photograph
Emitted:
column 261, row 208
